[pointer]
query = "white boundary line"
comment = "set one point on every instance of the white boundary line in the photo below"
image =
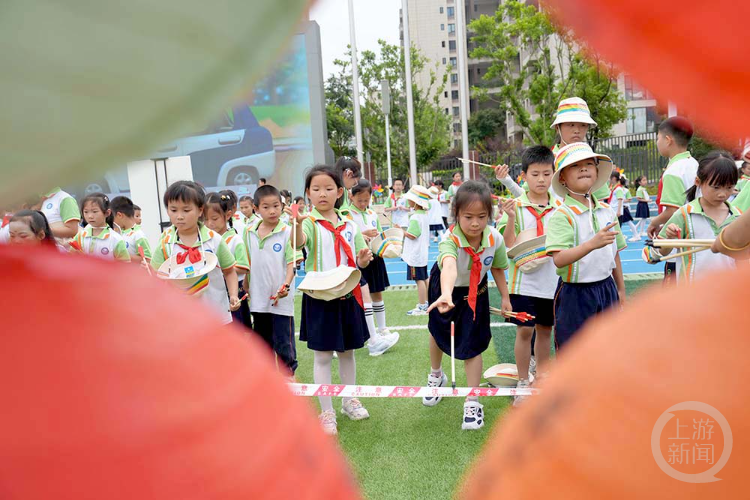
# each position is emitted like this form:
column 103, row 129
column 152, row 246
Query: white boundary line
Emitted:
column 424, row 327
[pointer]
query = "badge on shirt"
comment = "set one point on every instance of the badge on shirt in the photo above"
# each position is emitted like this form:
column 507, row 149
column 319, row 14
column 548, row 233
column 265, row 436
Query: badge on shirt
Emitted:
column 105, row 251
column 277, row 247
column 488, row 260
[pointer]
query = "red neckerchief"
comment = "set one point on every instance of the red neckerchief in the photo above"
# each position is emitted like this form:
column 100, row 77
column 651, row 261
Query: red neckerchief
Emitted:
column 192, row 253
column 476, row 273
column 6, row 219
column 456, row 183
column 338, row 243
column 539, row 217
column 659, row 206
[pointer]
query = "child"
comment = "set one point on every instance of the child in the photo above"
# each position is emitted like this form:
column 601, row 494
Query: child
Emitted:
column 336, row 325
column 704, row 216
column 417, row 245
column 138, row 219
column 374, row 276
column 459, row 293
column 97, row 238
column 190, row 238
column 672, row 141
column 397, row 205
column 532, row 292
column 218, row 215
column 247, row 209
column 300, row 202
column 62, row 214
column 572, row 123
column 123, row 215
column 642, row 212
column 435, row 215
column 457, row 181
column 269, row 251
column 444, row 202
column 585, row 251
column 620, row 199
column 30, row 227
column 350, row 171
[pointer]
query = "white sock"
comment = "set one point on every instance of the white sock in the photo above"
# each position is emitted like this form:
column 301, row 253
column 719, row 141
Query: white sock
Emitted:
column 379, row 309
column 370, row 321
column 436, row 373
column 347, row 369
column 322, row 375
column 633, row 228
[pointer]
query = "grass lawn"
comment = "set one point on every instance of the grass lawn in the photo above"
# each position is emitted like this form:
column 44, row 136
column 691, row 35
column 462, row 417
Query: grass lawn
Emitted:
column 406, row 450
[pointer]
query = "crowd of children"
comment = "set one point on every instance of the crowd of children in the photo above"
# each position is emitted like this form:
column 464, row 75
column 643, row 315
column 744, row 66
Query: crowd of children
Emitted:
column 558, row 237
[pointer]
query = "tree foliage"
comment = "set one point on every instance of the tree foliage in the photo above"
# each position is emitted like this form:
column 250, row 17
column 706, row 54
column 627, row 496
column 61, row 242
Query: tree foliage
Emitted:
column 536, row 65
column 431, row 124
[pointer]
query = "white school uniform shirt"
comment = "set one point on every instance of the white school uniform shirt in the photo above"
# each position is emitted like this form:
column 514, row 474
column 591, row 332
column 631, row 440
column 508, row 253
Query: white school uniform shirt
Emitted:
column 435, row 214
column 620, row 193
column 400, row 217
column 233, row 239
column 366, row 220
column 238, row 223
column 415, row 252
column 5, row 234
column 444, row 202
column 492, row 254
column 320, row 242
column 107, row 245
column 268, row 258
column 541, row 283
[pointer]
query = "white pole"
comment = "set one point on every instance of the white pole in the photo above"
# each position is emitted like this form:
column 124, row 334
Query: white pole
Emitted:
column 355, row 83
column 409, row 98
column 463, row 87
column 388, row 150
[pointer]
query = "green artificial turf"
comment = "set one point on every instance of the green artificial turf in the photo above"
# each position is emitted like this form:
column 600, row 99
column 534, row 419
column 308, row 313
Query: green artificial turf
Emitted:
column 406, row 450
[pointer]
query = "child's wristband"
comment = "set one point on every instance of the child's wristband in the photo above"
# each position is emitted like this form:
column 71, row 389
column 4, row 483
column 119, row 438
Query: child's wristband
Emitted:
column 721, row 241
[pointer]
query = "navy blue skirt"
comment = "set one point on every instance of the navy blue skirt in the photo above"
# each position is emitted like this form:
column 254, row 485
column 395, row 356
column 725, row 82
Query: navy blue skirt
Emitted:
column 334, row 325
column 642, row 211
column 375, row 275
column 473, row 336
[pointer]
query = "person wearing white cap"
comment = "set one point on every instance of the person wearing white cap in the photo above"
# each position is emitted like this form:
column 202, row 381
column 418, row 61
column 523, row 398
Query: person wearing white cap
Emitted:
column 584, row 240
column 417, row 245
column 572, row 123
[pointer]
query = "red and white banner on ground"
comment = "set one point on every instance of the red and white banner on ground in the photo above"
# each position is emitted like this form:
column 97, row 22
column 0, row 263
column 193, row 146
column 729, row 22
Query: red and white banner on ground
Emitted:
column 398, row 391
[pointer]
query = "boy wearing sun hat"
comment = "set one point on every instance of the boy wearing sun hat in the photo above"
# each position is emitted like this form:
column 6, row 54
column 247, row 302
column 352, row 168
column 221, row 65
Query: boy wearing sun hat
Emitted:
column 572, row 123
column 417, row 244
column 584, row 240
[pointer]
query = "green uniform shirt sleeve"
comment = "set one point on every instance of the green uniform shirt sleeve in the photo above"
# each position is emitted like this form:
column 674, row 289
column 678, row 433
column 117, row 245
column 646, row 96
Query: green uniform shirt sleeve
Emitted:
column 620, row 238
column 121, row 251
column 377, row 221
column 602, row 193
column 620, row 194
column 500, row 260
column 69, row 210
column 157, row 259
column 143, row 243
column 560, row 232
column 446, row 248
column 678, row 220
column 309, row 232
column 359, row 243
column 225, row 257
column 240, row 256
column 414, row 228
column 742, row 201
column 289, row 253
column 673, row 191
column 389, row 202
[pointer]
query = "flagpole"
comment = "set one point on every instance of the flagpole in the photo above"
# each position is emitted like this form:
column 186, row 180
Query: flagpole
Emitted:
column 409, row 98
column 355, row 84
column 463, row 89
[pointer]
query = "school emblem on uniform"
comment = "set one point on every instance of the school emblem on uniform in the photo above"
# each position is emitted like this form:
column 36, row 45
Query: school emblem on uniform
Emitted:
column 189, row 271
column 49, row 206
column 488, row 260
column 105, row 251
column 349, row 236
column 277, row 247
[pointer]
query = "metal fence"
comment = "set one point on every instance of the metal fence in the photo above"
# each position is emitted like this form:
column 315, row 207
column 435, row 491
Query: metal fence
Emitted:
column 636, row 154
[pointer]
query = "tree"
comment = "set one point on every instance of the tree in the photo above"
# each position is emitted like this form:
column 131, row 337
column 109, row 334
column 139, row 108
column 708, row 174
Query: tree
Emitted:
column 431, row 124
column 486, row 129
column 533, row 63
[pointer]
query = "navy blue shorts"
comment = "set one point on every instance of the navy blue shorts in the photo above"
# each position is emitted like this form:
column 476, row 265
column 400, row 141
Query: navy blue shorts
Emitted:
column 542, row 309
column 575, row 303
column 278, row 332
column 416, row 273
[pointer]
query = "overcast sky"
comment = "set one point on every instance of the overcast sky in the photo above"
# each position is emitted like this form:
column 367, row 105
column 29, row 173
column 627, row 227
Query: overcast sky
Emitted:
column 373, row 19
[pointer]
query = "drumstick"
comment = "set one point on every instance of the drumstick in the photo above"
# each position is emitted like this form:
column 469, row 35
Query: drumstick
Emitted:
column 453, row 355
column 680, row 254
column 477, row 162
column 143, row 259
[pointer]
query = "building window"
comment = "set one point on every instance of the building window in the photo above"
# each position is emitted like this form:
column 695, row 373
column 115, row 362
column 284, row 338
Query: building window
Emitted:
column 441, row 10
column 475, row 7
column 444, row 60
column 451, row 11
column 445, row 93
column 454, row 95
column 454, row 78
column 447, row 111
column 451, row 28
column 442, row 27
column 634, row 92
column 640, row 120
column 451, row 45
column 455, row 111
column 479, row 71
column 442, row 43
column 454, row 62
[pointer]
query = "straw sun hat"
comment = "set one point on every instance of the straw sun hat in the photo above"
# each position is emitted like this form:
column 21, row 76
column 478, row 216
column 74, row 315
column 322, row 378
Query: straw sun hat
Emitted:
column 332, row 284
column 573, row 153
column 419, row 195
column 573, row 110
column 389, row 244
column 189, row 277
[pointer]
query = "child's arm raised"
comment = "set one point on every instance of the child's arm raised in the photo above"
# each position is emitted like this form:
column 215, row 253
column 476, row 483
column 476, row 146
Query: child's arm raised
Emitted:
column 509, row 235
column 601, row 239
column 448, row 275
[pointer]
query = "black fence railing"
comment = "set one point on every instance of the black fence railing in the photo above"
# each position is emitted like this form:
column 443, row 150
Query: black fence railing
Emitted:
column 636, row 154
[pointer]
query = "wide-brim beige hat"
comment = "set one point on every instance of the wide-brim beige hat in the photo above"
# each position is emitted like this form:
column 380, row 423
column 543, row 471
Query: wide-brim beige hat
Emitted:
column 503, row 375
column 419, row 195
column 573, row 153
column 529, row 252
column 191, row 278
column 389, row 244
column 573, row 110
column 332, row 284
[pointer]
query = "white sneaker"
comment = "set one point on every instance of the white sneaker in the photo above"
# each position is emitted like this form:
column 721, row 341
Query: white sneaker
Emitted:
column 354, row 410
column 518, row 399
column 433, row 381
column 634, row 239
column 434, row 239
column 473, row 416
column 383, row 343
column 532, row 365
column 328, row 421
column 419, row 310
